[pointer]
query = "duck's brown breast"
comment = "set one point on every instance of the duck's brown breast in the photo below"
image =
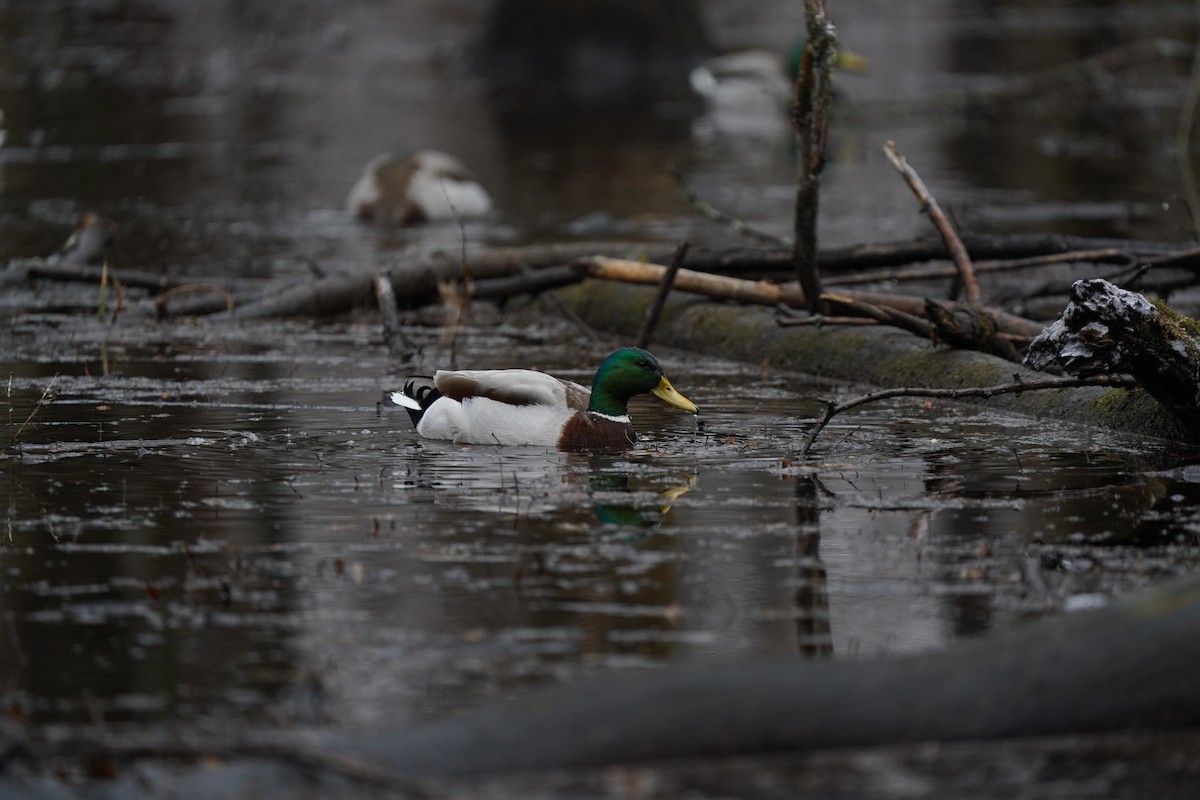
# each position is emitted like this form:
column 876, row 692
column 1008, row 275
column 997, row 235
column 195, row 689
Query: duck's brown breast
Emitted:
column 588, row 431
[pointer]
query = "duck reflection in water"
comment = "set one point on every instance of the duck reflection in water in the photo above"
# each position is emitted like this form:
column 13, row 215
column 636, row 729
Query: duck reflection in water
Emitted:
column 621, row 510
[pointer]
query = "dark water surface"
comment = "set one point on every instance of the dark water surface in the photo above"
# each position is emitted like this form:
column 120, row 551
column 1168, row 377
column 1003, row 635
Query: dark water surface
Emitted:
column 216, row 528
column 213, row 525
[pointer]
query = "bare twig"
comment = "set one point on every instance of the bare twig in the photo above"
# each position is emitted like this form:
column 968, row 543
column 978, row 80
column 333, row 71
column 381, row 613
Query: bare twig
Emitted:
column 962, row 260
column 715, row 214
column 1104, row 256
column 1183, row 143
column 1092, row 68
column 888, row 316
column 664, row 289
column 814, row 88
column 47, row 396
column 832, row 409
column 1130, row 278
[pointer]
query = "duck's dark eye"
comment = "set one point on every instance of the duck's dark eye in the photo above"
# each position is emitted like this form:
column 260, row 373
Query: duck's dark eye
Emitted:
column 642, row 364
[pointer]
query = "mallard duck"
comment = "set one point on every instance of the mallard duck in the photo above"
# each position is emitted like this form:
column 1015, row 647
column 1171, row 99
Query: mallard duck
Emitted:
column 526, row 407
column 424, row 187
column 748, row 91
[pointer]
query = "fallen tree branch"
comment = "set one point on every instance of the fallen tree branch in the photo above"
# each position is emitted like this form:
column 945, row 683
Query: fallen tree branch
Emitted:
column 1088, row 257
column 216, row 298
column 833, row 408
column 768, row 293
column 962, row 260
column 968, row 327
column 88, row 273
column 415, row 281
column 882, row 314
column 529, row 281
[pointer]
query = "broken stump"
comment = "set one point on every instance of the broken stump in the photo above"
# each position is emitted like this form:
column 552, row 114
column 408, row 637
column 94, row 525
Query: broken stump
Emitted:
column 1108, row 330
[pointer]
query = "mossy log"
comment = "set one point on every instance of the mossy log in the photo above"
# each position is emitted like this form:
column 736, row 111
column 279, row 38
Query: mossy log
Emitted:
column 1106, row 330
column 863, row 355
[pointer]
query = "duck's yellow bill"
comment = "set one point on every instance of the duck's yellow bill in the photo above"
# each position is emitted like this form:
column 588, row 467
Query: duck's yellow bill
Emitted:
column 852, row 62
column 666, row 392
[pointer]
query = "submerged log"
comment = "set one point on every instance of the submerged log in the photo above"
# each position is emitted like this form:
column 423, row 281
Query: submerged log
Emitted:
column 1108, row 330
column 1127, row 666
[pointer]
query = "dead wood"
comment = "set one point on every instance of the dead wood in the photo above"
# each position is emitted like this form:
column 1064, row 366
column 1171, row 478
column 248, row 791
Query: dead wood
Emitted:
column 415, row 280
column 531, row 281
column 660, row 298
column 967, row 327
column 89, row 273
column 335, row 294
column 958, row 251
column 881, row 314
column 721, row 287
column 810, row 119
column 880, row 255
column 768, row 293
column 205, row 298
column 1078, row 257
column 1108, row 330
column 832, row 408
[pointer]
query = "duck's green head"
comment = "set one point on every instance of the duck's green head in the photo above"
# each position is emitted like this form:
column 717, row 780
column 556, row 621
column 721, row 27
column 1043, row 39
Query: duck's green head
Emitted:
column 628, row 372
column 847, row 60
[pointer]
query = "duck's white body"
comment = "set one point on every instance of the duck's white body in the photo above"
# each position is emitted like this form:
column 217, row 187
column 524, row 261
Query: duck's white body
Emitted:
column 427, row 186
column 746, row 94
column 526, row 407
column 746, row 79
column 499, row 406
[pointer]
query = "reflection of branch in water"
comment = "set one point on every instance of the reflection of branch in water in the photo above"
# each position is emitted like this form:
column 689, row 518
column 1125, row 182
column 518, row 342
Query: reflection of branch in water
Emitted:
column 814, row 633
column 45, row 400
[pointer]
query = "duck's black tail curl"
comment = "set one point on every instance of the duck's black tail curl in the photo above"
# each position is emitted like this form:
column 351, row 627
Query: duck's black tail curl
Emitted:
column 418, row 394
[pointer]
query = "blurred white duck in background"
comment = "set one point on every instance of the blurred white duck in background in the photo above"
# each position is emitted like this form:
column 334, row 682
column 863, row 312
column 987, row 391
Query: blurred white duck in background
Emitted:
column 748, row 92
column 428, row 186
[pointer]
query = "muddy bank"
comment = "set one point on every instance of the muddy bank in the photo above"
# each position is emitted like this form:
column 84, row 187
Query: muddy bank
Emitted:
column 882, row 357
